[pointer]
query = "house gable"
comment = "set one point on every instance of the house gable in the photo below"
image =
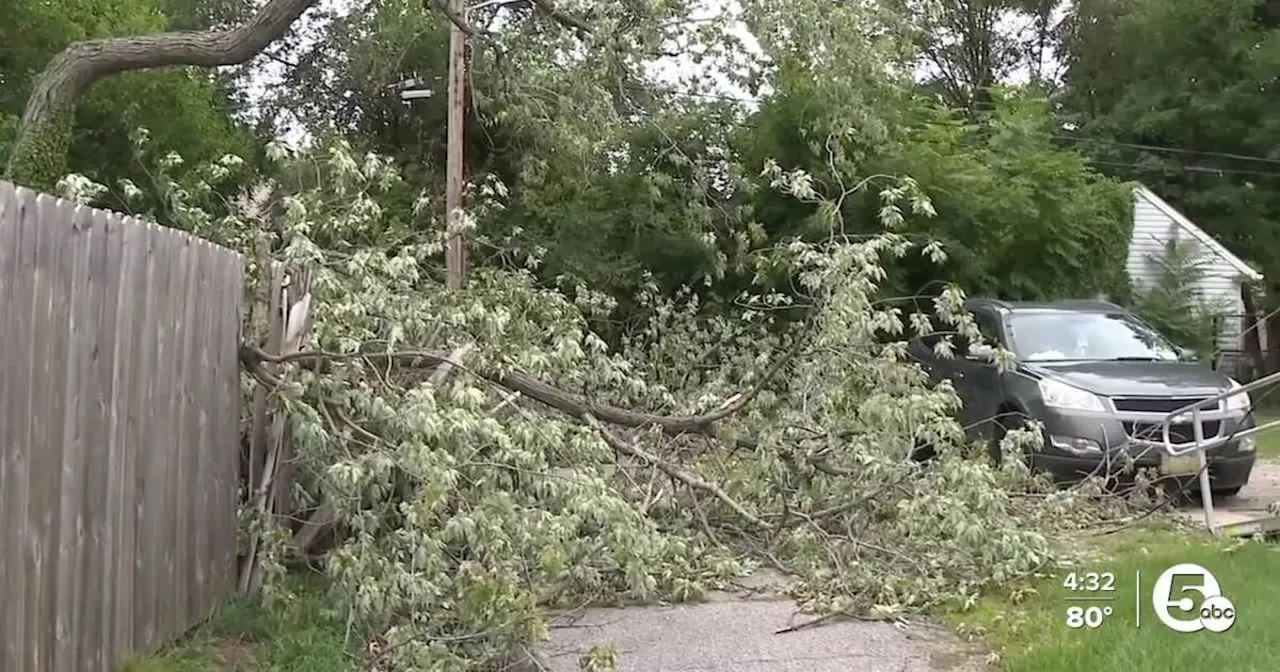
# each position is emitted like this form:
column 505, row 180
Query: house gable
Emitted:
column 1155, row 223
column 1184, row 225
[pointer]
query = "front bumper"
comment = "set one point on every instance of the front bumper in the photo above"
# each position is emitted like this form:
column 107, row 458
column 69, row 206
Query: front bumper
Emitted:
column 1079, row 444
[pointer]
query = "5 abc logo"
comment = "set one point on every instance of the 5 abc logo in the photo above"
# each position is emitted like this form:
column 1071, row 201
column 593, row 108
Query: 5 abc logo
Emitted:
column 1215, row 612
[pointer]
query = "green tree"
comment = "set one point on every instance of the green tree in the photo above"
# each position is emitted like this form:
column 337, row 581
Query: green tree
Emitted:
column 1020, row 217
column 605, row 175
column 184, row 109
column 1173, row 303
column 967, row 47
column 1162, row 91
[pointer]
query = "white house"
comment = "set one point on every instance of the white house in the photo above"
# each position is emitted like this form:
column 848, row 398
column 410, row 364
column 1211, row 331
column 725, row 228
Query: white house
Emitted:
column 1155, row 222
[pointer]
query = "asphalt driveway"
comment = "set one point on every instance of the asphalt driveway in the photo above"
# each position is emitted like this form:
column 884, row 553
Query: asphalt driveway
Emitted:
column 737, row 633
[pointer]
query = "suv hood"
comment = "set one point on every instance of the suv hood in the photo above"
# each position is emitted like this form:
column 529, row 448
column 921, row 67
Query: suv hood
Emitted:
column 1136, row 379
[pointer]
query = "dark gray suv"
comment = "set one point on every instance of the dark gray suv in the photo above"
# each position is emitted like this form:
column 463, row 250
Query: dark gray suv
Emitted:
column 1101, row 381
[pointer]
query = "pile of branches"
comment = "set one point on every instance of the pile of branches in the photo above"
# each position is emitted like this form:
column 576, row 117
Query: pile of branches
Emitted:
column 459, row 462
column 455, row 492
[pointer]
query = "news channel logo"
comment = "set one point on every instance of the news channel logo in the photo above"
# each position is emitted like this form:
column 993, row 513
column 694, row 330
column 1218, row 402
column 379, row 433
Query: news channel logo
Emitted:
column 1177, row 588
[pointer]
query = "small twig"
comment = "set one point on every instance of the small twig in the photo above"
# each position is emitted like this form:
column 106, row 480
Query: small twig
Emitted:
column 434, row 639
column 811, row 623
column 702, row 516
column 1163, row 503
column 826, row 618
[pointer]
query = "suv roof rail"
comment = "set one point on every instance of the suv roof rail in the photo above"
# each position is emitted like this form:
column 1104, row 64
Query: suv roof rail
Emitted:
column 1088, row 304
column 1062, row 304
column 974, row 301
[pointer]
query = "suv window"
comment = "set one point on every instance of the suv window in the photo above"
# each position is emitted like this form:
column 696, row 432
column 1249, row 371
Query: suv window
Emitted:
column 987, row 326
column 1086, row 336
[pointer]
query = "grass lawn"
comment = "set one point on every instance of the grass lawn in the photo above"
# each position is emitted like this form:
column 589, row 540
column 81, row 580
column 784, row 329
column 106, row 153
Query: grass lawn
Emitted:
column 1033, row 635
column 1268, row 440
column 241, row 637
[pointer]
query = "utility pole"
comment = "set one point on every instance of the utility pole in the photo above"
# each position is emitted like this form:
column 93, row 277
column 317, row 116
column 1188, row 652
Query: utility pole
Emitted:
column 455, row 252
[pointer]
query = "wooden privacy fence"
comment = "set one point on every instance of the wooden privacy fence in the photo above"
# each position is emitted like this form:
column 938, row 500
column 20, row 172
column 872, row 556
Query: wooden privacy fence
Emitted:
column 119, row 432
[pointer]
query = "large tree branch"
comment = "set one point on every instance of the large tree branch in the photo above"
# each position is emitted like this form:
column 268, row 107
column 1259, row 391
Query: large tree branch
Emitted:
column 571, row 404
column 83, row 63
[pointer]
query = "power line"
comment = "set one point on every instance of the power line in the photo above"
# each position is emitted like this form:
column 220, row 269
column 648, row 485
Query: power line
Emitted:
column 1186, row 169
column 1175, row 150
column 1206, row 170
column 1100, row 141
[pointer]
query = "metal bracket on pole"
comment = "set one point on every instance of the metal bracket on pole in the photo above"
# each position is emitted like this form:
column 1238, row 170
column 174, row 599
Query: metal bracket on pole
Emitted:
column 1206, row 492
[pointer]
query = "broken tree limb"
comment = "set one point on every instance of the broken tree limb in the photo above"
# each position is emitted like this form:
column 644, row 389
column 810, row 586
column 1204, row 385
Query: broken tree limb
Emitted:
column 571, row 404
column 250, row 572
column 619, row 444
column 319, row 520
column 577, row 405
column 295, row 304
column 270, row 293
column 442, row 371
column 324, row 515
column 458, row 19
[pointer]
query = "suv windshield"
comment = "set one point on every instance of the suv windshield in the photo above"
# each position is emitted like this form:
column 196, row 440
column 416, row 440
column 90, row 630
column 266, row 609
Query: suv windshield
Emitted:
column 1068, row 335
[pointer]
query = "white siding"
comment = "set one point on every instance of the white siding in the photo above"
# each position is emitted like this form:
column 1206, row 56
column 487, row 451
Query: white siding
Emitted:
column 1220, row 286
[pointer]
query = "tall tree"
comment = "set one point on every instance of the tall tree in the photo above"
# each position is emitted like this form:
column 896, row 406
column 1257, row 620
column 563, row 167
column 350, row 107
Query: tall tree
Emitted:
column 968, row 46
column 44, row 135
column 1181, row 95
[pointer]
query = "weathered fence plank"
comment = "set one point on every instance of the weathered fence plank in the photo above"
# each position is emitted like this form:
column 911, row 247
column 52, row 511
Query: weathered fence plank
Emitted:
column 119, row 433
column 12, row 371
column 52, row 277
column 74, row 350
column 226, row 346
column 107, row 270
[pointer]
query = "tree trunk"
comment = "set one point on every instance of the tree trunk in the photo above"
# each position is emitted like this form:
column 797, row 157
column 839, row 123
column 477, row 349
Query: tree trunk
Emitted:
column 40, row 151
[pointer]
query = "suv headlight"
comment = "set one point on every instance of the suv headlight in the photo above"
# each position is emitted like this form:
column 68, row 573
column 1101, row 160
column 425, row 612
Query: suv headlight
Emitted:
column 1057, row 394
column 1240, row 400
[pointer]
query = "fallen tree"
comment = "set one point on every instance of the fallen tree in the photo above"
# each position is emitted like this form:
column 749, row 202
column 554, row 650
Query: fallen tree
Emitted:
column 462, row 461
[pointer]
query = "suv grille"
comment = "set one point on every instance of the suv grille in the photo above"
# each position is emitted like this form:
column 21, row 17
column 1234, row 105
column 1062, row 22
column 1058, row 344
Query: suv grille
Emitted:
column 1158, row 404
column 1184, row 432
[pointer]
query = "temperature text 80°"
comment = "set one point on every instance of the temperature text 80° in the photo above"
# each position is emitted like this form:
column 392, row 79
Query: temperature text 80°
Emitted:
column 1087, row 617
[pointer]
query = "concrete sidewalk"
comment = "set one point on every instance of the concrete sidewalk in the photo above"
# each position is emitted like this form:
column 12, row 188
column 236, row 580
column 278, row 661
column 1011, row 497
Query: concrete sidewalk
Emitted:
column 737, row 635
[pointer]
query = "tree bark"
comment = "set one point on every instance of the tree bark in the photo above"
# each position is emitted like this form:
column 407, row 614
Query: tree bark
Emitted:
column 83, row 63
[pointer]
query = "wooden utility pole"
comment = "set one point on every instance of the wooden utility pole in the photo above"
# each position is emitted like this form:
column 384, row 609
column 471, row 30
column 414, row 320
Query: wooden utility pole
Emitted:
column 455, row 252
